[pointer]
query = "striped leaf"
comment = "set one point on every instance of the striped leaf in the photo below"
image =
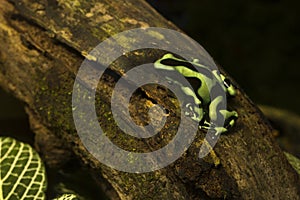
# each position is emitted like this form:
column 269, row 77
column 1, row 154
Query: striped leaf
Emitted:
column 67, row 197
column 22, row 173
column 294, row 161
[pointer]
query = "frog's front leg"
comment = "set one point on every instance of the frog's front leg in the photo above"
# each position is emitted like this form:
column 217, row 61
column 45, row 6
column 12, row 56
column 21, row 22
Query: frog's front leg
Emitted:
column 216, row 115
column 210, row 126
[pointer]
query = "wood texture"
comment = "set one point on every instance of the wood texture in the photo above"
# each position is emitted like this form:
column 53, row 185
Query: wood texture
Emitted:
column 42, row 46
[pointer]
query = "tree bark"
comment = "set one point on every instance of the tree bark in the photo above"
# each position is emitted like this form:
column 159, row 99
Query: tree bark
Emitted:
column 43, row 44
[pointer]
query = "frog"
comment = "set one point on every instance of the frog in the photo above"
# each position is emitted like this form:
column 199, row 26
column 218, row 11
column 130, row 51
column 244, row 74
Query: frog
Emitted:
column 200, row 107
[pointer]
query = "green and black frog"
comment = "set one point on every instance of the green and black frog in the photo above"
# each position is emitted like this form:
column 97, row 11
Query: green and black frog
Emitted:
column 202, row 107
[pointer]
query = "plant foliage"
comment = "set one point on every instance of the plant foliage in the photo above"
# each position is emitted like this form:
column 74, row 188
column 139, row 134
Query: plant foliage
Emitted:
column 22, row 173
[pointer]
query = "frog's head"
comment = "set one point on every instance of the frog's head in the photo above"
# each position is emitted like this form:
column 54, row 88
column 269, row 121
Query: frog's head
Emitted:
column 229, row 87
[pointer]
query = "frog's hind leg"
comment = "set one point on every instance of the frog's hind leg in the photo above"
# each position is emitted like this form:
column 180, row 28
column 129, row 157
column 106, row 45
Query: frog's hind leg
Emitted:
column 230, row 118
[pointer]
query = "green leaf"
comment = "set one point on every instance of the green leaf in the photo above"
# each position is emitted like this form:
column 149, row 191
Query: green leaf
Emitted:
column 294, row 161
column 22, row 173
column 67, row 197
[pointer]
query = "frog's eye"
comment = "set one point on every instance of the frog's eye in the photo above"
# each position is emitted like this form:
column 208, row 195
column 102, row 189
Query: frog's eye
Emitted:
column 229, row 87
column 227, row 82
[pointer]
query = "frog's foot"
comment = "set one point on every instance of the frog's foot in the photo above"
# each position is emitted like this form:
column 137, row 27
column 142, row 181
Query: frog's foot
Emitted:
column 205, row 125
column 230, row 118
column 217, row 130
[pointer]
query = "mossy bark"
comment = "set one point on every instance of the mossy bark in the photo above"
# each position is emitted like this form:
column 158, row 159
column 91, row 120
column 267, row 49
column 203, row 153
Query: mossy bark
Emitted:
column 43, row 44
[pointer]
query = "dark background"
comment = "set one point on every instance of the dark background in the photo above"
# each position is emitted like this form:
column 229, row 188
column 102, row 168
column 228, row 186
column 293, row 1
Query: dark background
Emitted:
column 256, row 42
